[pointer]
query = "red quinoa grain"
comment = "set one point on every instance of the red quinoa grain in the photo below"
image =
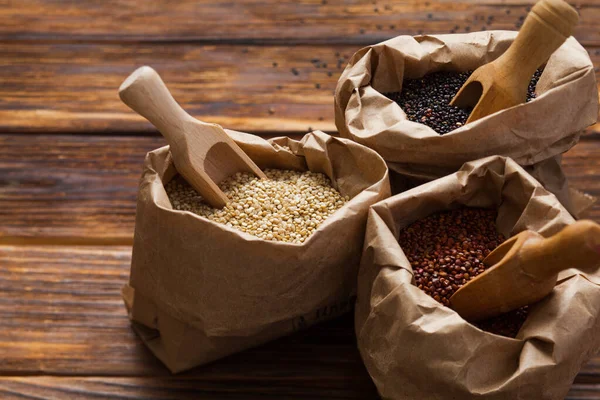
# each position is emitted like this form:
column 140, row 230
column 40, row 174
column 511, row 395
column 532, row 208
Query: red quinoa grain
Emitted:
column 446, row 250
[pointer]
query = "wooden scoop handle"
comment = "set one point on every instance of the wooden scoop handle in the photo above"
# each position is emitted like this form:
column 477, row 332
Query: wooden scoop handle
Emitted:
column 547, row 26
column 145, row 93
column 577, row 245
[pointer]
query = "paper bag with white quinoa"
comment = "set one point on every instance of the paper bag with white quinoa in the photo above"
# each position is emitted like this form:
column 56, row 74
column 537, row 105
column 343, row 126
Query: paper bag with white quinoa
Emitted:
column 533, row 134
column 416, row 348
column 200, row 290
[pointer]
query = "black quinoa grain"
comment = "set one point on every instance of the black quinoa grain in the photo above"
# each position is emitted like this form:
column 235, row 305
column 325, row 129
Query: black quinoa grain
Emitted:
column 427, row 100
column 446, row 250
column 533, row 84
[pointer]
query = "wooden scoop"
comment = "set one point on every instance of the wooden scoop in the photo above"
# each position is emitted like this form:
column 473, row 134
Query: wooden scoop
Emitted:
column 203, row 153
column 525, row 269
column 503, row 83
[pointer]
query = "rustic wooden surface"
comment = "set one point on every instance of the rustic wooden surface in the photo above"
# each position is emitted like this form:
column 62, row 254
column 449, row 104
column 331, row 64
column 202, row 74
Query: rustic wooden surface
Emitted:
column 268, row 21
column 81, row 189
column 62, row 316
column 66, row 87
column 71, row 155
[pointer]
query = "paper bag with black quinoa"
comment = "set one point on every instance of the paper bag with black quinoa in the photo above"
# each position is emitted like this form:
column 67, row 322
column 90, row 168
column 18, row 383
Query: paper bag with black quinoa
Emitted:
column 416, row 348
column 534, row 134
column 200, row 290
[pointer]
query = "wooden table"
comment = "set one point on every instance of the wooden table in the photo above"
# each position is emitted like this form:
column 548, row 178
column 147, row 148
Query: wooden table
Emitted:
column 71, row 155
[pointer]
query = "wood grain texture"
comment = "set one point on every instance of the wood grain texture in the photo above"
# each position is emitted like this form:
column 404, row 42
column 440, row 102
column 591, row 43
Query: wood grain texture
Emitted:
column 61, row 315
column 82, row 189
column 180, row 388
column 73, row 87
column 61, row 312
column 272, row 21
column 298, row 388
column 71, row 189
column 581, row 165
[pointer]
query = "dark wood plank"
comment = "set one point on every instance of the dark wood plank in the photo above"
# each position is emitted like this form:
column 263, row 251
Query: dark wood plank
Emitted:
column 240, row 387
column 61, row 309
column 61, row 314
column 82, row 189
column 63, row 187
column 581, row 166
column 584, row 392
column 590, row 374
column 181, row 388
column 267, row 21
column 73, row 87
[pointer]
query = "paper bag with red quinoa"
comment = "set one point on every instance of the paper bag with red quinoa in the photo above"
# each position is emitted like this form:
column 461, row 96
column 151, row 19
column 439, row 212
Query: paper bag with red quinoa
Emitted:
column 200, row 290
column 416, row 348
column 534, row 134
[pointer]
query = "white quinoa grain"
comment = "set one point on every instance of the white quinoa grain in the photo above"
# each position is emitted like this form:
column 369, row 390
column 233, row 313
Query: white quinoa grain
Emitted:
column 288, row 207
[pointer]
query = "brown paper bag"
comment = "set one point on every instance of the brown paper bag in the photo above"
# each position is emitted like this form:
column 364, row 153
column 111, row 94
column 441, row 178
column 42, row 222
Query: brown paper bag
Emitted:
column 200, row 290
column 416, row 348
column 533, row 134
